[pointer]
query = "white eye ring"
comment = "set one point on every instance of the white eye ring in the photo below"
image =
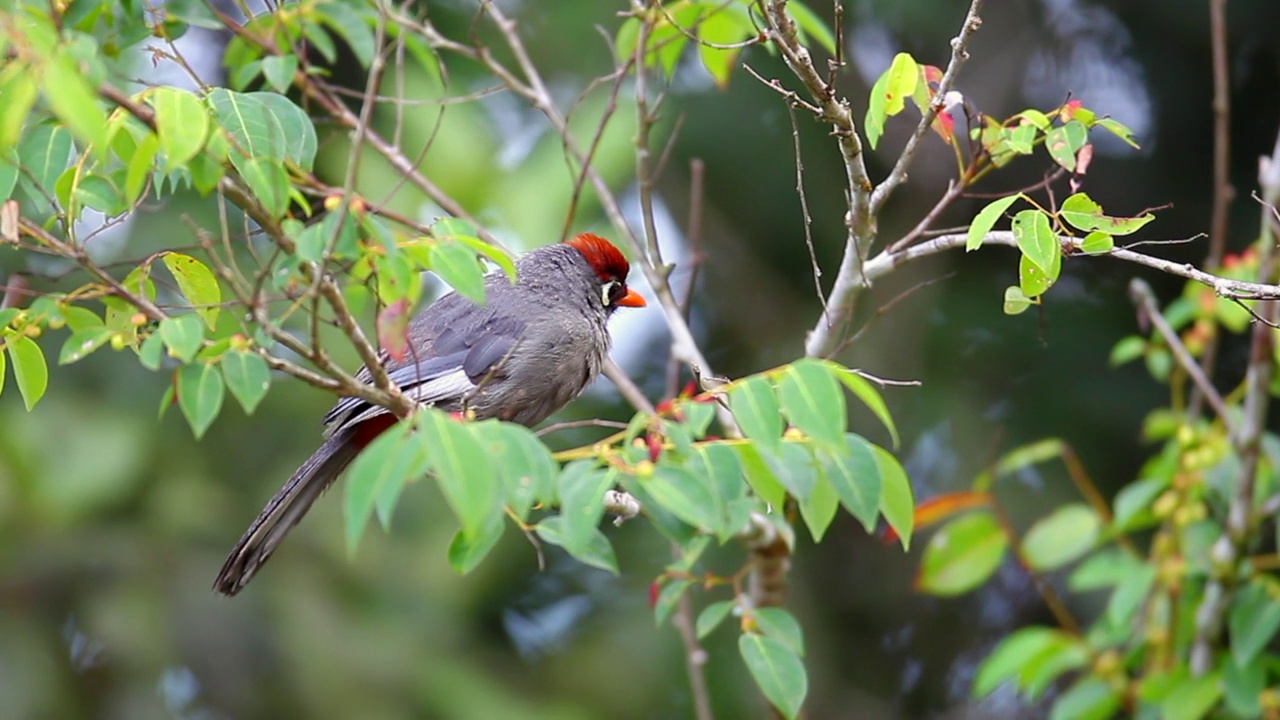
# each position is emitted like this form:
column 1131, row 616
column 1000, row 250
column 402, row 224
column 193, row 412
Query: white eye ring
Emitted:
column 605, row 290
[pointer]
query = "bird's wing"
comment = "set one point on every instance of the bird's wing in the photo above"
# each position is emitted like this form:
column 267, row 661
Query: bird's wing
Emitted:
column 458, row 361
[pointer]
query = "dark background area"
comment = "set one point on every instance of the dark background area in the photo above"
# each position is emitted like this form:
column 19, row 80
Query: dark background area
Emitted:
column 113, row 524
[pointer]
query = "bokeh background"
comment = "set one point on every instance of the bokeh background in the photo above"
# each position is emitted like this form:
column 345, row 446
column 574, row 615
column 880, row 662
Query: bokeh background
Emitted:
column 113, row 522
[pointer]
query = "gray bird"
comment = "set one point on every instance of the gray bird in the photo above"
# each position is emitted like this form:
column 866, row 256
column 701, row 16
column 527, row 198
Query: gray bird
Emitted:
column 530, row 349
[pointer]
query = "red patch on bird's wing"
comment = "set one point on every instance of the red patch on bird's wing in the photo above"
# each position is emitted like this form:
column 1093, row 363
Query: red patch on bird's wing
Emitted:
column 601, row 255
column 366, row 431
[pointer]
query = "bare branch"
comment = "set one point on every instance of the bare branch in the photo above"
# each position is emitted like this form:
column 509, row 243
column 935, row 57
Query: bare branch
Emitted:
column 1145, row 299
column 1238, row 528
column 886, row 262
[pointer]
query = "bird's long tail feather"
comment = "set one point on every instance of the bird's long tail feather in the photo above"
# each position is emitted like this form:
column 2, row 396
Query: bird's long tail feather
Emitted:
column 284, row 510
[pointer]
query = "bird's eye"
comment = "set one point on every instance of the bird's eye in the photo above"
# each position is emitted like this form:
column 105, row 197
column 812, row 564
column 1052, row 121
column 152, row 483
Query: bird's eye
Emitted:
column 611, row 292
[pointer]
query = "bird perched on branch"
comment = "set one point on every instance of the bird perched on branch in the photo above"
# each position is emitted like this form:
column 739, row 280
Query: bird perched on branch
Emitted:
column 530, row 349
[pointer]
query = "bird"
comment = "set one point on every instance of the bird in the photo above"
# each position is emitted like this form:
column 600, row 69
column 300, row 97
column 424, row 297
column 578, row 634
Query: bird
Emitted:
column 529, row 350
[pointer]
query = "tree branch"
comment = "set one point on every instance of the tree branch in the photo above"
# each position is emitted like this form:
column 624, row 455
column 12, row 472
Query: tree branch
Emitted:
column 1145, row 299
column 959, row 55
column 887, row 262
column 1238, row 529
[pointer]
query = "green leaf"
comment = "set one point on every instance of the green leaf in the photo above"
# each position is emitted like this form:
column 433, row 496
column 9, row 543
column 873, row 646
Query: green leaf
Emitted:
column 248, row 378
column 348, row 24
column 44, row 153
column 463, row 469
column 74, row 102
column 962, row 555
column 819, row 507
column 1130, row 595
column 777, row 670
column 777, row 623
column 624, row 43
column 2, row 365
column 1065, row 141
column 889, row 95
column 1011, row 655
column 268, row 182
column 1036, row 240
column 101, row 194
column 1133, row 501
column 525, row 466
column 81, row 318
column 150, row 354
column 668, row 39
column 716, row 465
column 279, row 71
column 855, row 475
column 1090, row 698
column 812, row 401
column 182, row 123
column 1062, row 537
column 903, row 75
column 197, row 283
column 759, row 476
column 1041, row 671
column 8, row 173
column 466, row 551
column 1119, row 130
column 667, row 599
column 1192, row 699
column 83, row 342
column 1253, row 620
column 1082, row 213
column 457, row 266
column 755, row 407
column 1015, row 302
column 711, row 617
column 19, row 89
column 378, row 475
column 795, row 467
column 29, row 369
column 595, row 550
column 182, row 334
column 140, row 167
column 897, row 503
column 720, row 28
column 200, row 395
column 867, row 393
column 1097, row 243
column 492, row 252
column 252, row 129
column 1127, row 349
column 317, row 36
column 1019, row 139
column 876, row 115
column 1033, row 281
column 581, row 491
column 685, row 495
column 1243, row 687
column 299, row 139
column 986, row 220
column 1104, row 569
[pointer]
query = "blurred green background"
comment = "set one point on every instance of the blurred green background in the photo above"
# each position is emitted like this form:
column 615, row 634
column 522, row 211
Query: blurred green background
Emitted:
column 113, row 523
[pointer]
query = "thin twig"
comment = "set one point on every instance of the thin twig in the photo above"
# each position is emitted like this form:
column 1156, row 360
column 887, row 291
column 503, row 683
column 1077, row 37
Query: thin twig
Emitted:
column 1223, row 192
column 887, row 262
column 695, row 656
column 1145, row 299
column 959, row 55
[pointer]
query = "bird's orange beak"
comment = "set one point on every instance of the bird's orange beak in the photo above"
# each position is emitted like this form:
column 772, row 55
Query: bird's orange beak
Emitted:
column 632, row 299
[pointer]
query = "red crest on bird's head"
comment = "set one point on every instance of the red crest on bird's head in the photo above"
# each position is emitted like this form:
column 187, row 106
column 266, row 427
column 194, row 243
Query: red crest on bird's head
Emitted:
column 601, row 255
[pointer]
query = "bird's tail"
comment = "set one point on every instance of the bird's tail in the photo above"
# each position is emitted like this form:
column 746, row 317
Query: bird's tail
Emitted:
column 285, row 510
